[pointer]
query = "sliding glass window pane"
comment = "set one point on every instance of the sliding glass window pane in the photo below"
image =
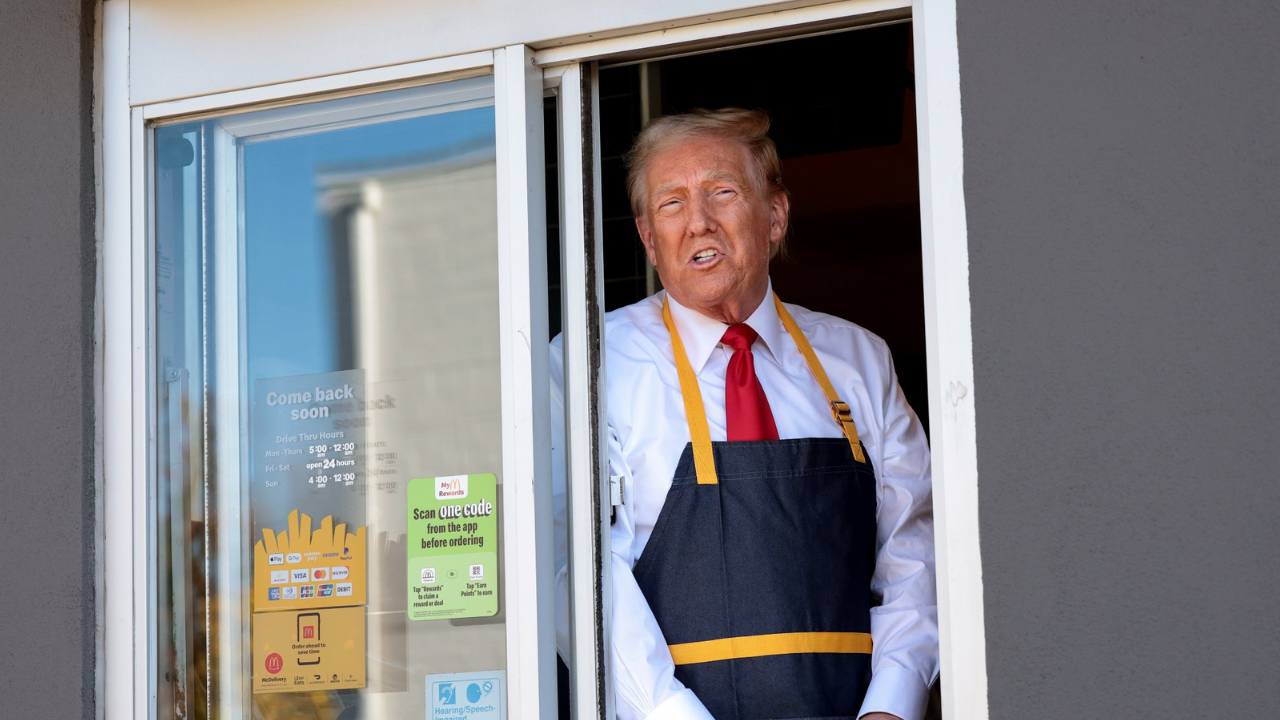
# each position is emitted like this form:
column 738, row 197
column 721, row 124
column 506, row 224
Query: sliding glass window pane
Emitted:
column 327, row 412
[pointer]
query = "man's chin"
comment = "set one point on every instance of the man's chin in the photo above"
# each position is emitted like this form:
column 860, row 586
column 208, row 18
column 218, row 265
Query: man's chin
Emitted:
column 719, row 300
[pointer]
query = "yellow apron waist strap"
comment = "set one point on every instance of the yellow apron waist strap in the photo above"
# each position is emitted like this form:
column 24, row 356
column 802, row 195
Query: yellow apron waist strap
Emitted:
column 748, row 646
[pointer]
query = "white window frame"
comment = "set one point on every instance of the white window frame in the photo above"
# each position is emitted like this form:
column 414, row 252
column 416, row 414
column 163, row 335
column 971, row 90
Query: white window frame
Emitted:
column 125, row 572
column 949, row 344
column 127, row 671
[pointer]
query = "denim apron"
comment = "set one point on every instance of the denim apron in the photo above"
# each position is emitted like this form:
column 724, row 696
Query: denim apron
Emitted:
column 759, row 566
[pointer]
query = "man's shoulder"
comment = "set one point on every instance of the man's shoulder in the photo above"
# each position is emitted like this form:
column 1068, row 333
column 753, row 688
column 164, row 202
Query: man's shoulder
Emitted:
column 639, row 321
column 632, row 332
column 817, row 324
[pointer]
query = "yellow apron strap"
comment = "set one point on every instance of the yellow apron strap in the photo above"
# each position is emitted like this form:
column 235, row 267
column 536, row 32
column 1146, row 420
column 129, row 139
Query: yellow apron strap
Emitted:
column 839, row 410
column 696, row 415
column 703, row 460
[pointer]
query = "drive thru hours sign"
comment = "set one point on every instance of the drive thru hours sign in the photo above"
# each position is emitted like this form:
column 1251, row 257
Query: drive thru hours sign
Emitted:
column 453, row 547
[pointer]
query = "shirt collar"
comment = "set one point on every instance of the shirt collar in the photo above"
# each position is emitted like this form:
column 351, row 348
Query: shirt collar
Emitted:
column 700, row 334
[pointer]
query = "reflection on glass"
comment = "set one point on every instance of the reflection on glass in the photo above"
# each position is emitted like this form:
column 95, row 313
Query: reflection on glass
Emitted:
column 325, row 281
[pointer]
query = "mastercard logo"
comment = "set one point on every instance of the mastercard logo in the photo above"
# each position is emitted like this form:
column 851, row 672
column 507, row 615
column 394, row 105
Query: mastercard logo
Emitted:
column 319, row 574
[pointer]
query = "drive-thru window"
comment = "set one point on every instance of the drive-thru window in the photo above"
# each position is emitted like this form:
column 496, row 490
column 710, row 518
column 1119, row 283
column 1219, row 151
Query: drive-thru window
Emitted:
column 330, row 292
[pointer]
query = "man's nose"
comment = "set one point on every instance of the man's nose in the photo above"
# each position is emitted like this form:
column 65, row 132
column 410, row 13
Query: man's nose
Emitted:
column 702, row 219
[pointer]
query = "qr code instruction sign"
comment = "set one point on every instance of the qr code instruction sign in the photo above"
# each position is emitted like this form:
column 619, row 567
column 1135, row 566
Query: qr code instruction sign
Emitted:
column 452, row 556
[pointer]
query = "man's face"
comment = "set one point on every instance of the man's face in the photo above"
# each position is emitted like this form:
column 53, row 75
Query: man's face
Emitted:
column 708, row 229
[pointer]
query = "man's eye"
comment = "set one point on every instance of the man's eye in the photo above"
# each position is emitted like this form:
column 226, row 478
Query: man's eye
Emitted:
column 725, row 192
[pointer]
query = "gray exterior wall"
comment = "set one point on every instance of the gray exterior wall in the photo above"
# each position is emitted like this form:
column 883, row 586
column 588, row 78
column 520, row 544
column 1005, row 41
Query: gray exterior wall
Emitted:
column 1122, row 180
column 47, row 270
column 1122, row 177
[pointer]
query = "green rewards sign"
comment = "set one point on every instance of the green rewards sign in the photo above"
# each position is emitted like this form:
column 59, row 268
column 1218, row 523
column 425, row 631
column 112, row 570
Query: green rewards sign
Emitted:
column 453, row 547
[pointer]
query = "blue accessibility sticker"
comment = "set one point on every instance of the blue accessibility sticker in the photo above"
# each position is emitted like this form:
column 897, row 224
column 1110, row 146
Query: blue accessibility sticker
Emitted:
column 472, row 695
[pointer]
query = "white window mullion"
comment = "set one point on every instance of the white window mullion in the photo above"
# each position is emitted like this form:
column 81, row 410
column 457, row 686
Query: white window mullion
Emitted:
column 586, row 444
column 230, row 497
column 526, row 422
column 949, row 348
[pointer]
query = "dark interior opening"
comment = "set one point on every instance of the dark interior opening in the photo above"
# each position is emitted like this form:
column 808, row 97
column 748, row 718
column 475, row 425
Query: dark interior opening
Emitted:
column 843, row 111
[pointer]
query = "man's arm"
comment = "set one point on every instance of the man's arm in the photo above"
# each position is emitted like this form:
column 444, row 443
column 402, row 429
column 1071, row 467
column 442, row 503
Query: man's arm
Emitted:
column 643, row 672
column 904, row 627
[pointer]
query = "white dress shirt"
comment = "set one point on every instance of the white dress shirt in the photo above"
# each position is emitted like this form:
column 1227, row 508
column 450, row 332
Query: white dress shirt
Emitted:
column 648, row 432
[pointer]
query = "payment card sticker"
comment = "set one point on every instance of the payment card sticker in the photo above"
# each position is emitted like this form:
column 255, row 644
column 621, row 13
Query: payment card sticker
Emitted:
column 471, row 695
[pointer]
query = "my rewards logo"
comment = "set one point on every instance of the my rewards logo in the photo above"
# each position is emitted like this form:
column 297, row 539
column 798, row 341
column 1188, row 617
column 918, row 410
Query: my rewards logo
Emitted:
column 454, row 486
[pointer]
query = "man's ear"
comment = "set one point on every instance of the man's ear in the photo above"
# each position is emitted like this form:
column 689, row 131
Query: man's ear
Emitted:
column 779, row 216
column 646, row 238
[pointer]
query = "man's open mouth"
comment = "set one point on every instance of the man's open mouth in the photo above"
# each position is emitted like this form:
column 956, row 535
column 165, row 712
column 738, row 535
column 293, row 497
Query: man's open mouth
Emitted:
column 705, row 256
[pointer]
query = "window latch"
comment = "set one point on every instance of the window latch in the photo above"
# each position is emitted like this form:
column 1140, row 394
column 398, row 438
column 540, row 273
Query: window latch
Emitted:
column 615, row 490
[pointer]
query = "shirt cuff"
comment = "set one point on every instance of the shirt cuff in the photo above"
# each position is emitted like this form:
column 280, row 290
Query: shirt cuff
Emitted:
column 897, row 691
column 684, row 705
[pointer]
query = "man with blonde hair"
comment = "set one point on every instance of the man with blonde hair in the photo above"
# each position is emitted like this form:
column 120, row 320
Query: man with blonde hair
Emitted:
column 773, row 557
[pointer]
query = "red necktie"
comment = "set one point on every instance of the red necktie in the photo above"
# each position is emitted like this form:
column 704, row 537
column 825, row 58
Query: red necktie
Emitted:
column 746, row 409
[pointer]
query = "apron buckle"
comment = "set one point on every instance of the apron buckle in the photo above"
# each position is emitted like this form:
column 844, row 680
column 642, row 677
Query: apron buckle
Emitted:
column 840, row 411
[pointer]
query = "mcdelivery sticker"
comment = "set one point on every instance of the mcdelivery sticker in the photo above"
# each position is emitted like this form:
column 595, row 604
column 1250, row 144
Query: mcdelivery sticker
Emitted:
column 295, row 651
